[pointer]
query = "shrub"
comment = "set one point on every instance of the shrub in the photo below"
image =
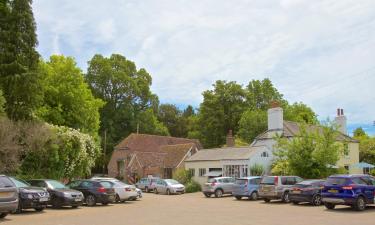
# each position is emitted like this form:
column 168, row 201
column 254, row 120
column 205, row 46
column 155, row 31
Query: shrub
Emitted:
column 183, row 176
column 192, row 186
column 256, row 170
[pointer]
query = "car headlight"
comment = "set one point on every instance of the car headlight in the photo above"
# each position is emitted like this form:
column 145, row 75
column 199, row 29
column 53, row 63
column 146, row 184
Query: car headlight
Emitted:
column 67, row 195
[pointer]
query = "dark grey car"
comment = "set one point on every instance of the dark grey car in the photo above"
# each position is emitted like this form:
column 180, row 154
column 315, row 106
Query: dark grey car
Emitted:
column 8, row 196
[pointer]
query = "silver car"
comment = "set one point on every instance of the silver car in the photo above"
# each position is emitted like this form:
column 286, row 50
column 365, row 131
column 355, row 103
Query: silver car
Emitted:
column 8, row 196
column 147, row 184
column 218, row 186
column 169, row 186
column 277, row 187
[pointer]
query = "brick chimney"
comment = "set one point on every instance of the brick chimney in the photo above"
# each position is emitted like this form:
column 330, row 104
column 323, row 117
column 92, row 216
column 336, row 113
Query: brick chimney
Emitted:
column 230, row 139
column 340, row 121
column 275, row 119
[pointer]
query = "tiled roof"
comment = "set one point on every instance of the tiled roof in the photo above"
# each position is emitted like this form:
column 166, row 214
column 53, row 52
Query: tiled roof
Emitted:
column 175, row 154
column 151, row 143
column 235, row 153
column 292, row 129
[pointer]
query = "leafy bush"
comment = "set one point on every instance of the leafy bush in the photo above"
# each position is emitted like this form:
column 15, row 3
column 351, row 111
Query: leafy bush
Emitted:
column 256, row 170
column 192, row 186
column 183, row 176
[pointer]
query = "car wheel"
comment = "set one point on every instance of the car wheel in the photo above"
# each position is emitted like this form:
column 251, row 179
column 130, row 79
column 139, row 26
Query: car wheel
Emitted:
column 266, row 200
column 238, row 197
column 168, row 192
column 155, row 191
column 2, row 215
column 39, row 209
column 316, row 200
column 146, row 190
column 359, row 204
column 219, row 193
column 208, row 195
column 74, row 206
column 295, row 202
column 90, row 200
column 55, row 204
column 254, row 196
column 105, row 203
column 285, row 197
column 329, row 205
column 19, row 208
column 117, row 200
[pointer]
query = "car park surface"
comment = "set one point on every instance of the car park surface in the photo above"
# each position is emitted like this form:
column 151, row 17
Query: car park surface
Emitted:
column 195, row 209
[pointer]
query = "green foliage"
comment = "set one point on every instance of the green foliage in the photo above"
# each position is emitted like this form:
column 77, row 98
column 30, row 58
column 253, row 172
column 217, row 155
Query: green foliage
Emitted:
column 127, row 96
column 252, row 123
column 18, row 59
column 2, row 103
column 256, row 170
column 372, row 172
column 301, row 113
column 261, row 93
column 183, row 176
column 359, row 133
column 62, row 153
column 192, row 186
column 9, row 148
column 68, row 101
column 281, row 168
column 309, row 154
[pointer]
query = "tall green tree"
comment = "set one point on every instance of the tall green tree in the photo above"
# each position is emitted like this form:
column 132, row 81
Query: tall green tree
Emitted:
column 18, row 59
column 252, row 123
column 310, row 153
column 220, row 112
column 366, row 146
column 261, row 93
column 127, row 96
column 299, row 112
column 68, row 100
column 2, row 103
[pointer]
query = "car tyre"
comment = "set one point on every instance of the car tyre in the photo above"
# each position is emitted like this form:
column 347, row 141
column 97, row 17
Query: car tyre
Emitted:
column 219, row 193
column 360, row 204
column 168, row 192
column 254, row 196
column 90, row 200
column 329, row 205
column 285, row 197
column 74, row 206
column 105, row 203
column 147, row 190
column 155, row 191
column 39, row 209
column 2, row 215
column 117, row 200
column 295, row 202
column 238, row 197
column 316, row 200
column 19, row 208
column 208, row 195
column 266, row 200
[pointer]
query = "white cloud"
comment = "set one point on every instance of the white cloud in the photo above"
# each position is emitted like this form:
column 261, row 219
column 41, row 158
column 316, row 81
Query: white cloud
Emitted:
column 313, row 51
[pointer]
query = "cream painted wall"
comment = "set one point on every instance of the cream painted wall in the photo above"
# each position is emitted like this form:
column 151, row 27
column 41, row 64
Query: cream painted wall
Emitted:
column 351, row 158
column 202, row 164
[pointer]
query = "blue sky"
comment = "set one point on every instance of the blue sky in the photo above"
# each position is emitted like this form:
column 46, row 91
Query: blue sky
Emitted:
column 318, row 52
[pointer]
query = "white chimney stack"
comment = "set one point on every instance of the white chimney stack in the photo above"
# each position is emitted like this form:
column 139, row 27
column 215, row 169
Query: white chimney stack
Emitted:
column 275, row 120
column 340, row 120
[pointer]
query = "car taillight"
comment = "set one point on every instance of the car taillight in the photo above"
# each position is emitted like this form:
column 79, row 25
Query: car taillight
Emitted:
column 213, row 183
column 127, row 189
column 101, row 190
column 276, row 181
column 347, row 188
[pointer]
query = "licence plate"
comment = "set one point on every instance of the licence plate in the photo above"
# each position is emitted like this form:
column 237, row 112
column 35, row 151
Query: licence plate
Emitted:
column 333, row 191
column 5, row 194
column 296, row 192
column 77, row 199
column 43, row 199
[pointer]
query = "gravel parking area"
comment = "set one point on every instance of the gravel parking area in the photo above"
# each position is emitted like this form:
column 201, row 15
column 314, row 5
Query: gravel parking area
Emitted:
column 194, row 209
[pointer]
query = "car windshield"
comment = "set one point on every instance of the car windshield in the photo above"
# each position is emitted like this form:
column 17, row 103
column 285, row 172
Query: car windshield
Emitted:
column 19, row 183
column 268, row 180
column 169, row 181
column 56, row 185
column 336, row 181
column 106, row 184
column 212, row 180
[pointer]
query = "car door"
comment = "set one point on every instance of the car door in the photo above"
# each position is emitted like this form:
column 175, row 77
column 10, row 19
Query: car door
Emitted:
column 8, row 191
column 225, row 185
column 85, row 188
column 369, row 189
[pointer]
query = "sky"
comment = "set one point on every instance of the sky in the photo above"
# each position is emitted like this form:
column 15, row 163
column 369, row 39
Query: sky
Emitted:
column 320, row 53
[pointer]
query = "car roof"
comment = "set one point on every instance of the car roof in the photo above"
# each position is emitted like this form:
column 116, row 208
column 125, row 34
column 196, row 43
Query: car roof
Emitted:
column 349, row 175
column 249, row 177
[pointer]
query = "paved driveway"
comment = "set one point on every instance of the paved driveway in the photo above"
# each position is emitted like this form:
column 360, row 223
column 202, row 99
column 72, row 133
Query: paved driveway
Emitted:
column 194, row 209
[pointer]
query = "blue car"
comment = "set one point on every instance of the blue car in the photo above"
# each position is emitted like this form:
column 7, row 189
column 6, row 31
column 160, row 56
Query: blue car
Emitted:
column 246, row 187
column 353, row 190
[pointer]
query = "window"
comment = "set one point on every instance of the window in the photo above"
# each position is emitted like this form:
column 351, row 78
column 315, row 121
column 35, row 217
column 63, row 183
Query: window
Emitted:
column 202, row 172
column 87, row 184
column 358, row 180
column 264, row 155
column 74, row 184
column 192, row 172
column 235, row 171
column 121, row 168
column 5, row 182
column 346, row 149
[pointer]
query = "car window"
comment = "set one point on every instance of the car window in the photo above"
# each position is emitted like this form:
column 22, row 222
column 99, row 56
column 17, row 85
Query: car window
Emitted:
column 298, row 179
column 253, row 181
column 74, row 184
column 268, row 180
column 87, row 184
column 336, row 181
column 359, row 180
column 5, row 182
column 257, row 181
column 106, row 184
column 19, row 183
column 372, row 180
column 368, row 181
column 284, row 181
column 38, row 183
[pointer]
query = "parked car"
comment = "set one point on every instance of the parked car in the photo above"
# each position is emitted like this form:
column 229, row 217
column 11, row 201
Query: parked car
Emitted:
column 147, row 184
column 30, row 197
column 60, row 195
column 307, row 191
column 277, row 187
column 95, row 191
column 169, row 186
column 246, row 187
column 218, row 186
column 356, row 191
column 8, row 196
column 123, row 190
